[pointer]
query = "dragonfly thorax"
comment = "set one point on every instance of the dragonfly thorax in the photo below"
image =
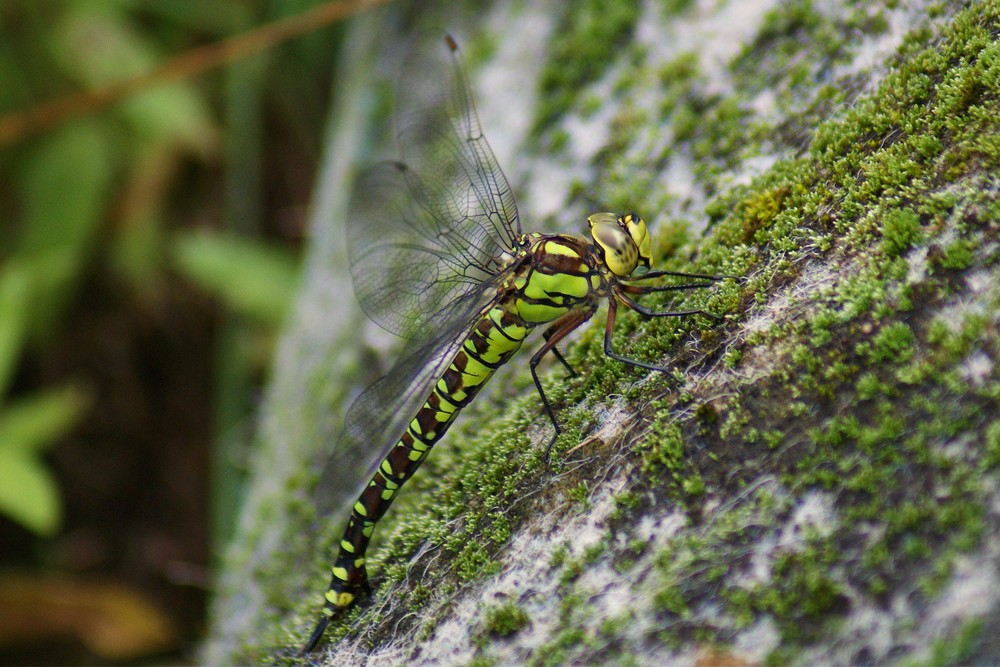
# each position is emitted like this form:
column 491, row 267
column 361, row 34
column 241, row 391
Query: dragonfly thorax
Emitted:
column 623, row 242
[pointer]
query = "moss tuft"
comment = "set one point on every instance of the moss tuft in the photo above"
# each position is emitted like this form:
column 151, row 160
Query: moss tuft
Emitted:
column 900, row 231
column 504, row 620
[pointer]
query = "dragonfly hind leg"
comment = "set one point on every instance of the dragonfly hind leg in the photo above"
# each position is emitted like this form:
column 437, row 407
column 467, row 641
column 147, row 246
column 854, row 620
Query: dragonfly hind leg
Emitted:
column 555, row 333
column 547, row 334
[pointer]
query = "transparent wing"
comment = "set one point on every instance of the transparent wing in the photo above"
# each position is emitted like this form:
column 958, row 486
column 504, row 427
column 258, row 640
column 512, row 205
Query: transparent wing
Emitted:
column 428, row 230
column 380, row 415
column 429, row 242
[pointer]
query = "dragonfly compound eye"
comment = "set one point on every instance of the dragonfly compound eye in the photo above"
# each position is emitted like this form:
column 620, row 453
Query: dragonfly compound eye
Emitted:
column 636, row 228
column 611, row 234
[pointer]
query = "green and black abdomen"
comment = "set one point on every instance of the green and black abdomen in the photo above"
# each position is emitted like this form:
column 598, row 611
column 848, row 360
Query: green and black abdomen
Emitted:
column 496, row 337
column 553, row 280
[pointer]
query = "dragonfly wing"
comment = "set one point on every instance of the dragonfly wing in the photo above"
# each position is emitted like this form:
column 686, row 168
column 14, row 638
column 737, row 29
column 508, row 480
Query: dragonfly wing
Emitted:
column 425, row 231
column 409, row 266
column 440, row 137
column 379, row 416
column 429, row 241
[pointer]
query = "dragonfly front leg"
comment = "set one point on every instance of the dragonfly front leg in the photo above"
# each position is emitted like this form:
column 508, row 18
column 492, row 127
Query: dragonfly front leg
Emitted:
column 649, row 289
column 703, row 276
column 555, row 333
column 646, row 312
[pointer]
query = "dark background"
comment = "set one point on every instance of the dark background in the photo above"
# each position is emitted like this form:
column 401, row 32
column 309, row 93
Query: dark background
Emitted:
column 148, row 255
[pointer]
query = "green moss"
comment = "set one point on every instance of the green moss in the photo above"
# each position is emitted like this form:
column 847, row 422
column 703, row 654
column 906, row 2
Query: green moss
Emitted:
column 571, row 569
column 718, row 137
column 759, row 210
column 580, row 494
column 693, row 485
column 578, row 53
column 558, row 556
column 991, row 446
column 670, row 599
column 593, row 553
column 556, row 651
column 783, row 655
column 676, row 80
column 804, row 589
column 672, row 7
column 900, row 231
column 957, row 255
column 626, row 504
column 504, row 620
column 665, row 451
column 960, row 647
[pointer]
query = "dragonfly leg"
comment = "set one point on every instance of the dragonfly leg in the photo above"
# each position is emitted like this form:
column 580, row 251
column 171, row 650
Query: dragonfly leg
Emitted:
column 553, row 335
column 702, row 276
column 609, row 329
column 647, row 289
column 646, row 312
column 548, row 334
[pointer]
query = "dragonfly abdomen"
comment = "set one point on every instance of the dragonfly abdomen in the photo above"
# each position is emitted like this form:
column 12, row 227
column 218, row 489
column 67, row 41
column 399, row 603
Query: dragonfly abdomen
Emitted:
column 491, row 343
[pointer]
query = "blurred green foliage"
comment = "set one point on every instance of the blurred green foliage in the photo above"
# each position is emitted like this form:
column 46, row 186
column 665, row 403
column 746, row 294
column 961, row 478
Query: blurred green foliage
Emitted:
column 254, row 279
column 146, row 250
column 164, row 188
column 27, row 490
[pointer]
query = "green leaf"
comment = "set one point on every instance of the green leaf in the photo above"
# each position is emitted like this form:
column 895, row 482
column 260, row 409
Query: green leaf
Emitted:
column 14, row 289
column 167, row 113
column 32, row 424
column 28, row 492
column 253, row 278
column 64, row 187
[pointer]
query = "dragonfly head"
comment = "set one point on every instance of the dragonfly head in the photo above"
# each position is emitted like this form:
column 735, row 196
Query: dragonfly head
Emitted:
column 624, row 242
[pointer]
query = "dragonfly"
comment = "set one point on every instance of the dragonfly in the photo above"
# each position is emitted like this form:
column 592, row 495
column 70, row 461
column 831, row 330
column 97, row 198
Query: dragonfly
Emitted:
column 438, row 257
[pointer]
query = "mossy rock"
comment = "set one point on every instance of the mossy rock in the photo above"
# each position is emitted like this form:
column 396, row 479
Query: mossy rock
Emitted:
column 817, row 482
